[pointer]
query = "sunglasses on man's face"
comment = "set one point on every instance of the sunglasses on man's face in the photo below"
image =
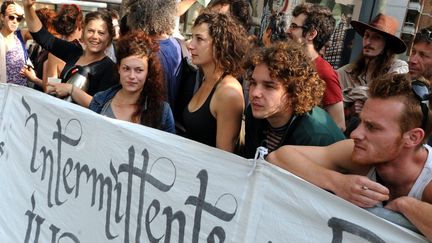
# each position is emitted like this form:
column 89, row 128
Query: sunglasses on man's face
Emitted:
column 426, row 33
column 18, row 18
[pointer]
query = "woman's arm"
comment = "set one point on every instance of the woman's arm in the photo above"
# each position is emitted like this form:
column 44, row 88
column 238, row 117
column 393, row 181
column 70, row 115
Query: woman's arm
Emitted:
column 33, row 22
column 52, row 67
column 227, row 106
column 60, row 48
column 64, row 89
column 30, row 74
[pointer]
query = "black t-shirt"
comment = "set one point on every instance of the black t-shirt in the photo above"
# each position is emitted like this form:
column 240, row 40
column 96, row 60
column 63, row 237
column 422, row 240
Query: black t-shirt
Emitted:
column 103, row 74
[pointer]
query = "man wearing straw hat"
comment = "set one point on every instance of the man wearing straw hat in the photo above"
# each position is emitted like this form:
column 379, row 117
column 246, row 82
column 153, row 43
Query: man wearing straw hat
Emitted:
column 380, row 44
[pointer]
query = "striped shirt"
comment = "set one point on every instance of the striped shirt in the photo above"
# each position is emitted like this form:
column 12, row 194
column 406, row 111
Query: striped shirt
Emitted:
column 274, row 137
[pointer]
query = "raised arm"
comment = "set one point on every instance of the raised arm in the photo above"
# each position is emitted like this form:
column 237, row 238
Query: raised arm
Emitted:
column 323, row 167
column 32, row 20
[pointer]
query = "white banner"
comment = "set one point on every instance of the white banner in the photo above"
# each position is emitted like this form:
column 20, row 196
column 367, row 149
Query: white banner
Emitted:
column 70, row 175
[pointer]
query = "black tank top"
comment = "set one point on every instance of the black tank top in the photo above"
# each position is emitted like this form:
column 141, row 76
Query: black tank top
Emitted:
column 201, row 124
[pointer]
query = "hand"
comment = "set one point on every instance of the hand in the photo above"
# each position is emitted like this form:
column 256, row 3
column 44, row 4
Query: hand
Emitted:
column 28, row 3
column 61, row 90
column 396, row 204
column 14, row 9
column 29, row 73
column 358, row 106
column 361, row 191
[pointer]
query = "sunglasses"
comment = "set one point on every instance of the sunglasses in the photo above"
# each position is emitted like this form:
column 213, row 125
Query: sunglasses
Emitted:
column 422, row 93
column 18, row 18
column 426, row 33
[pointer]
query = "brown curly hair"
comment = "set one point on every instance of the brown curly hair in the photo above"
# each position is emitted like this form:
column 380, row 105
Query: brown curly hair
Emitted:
column 230, row 42
column 151, row 100
column 399, row 86
column 288, row 64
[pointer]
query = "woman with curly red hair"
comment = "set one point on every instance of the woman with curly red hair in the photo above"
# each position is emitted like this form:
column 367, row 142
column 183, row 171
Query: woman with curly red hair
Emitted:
column 140, row 96
column 285, row 93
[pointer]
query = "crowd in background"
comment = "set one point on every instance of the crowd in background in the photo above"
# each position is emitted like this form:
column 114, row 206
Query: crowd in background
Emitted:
column 229, row 89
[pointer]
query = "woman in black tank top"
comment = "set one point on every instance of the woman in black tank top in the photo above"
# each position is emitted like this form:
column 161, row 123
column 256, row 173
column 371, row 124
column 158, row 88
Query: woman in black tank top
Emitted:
column 213, row 116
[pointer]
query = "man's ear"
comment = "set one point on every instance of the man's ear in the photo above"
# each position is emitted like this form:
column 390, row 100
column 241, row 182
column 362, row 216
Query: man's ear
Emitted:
column 311, row 35
column 413, row 137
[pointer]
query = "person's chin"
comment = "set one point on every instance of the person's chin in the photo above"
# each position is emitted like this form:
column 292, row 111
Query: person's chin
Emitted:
column 414, row 74
column 360, row 158
column 258, row 114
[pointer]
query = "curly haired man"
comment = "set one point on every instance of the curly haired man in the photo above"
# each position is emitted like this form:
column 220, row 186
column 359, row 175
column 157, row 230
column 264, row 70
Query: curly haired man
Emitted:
column 284, row 95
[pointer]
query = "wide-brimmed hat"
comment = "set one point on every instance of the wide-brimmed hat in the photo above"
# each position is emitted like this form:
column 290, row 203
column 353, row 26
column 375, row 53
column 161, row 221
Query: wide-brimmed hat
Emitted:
column 385, row 25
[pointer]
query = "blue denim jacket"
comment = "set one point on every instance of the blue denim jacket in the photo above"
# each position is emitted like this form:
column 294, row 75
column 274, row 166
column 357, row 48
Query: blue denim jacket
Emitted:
column 100, row 98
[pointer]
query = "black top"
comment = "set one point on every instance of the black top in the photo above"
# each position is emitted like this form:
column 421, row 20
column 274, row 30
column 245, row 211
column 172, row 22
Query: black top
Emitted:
column 103, row 73
column 201, row 124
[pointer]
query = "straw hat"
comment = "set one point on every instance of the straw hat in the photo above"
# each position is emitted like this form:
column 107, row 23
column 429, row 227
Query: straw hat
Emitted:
column 385, row 25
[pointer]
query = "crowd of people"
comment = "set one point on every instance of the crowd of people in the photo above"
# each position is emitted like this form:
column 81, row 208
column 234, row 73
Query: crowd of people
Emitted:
column 360, row 132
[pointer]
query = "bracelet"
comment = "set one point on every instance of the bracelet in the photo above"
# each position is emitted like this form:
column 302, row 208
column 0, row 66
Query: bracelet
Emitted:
column 71, row 91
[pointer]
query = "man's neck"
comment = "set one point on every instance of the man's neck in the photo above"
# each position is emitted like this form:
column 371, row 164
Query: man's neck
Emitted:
column 310, row 51
column 281, row 119
column 400, row 174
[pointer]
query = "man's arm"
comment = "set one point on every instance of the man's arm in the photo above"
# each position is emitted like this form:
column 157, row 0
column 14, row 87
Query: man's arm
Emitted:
column 418, row 212
column 322, row 166
column 336, row 111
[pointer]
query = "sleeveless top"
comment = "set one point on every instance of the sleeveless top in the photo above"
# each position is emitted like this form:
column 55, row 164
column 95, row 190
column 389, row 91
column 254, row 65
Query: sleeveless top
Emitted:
column 15, row 60
column 422, row 180
column 201, row 124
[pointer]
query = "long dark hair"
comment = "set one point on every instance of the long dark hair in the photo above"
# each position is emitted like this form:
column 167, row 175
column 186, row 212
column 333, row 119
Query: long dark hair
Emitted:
column 151, row 101
column 380, row 64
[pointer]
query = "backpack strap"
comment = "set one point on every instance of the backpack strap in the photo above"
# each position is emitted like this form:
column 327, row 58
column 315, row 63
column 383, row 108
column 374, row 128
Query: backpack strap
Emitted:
column 20, row 37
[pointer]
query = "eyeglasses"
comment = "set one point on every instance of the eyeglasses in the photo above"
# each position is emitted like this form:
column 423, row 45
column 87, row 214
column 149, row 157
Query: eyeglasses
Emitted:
column 421, row 92
column 295, row 26
column 18, row 18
